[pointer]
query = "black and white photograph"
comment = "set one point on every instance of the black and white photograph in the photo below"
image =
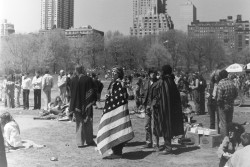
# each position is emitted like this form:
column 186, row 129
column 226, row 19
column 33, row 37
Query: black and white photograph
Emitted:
column 125, row 83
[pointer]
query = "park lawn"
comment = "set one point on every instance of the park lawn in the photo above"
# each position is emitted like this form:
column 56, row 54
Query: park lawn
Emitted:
column 59, row 138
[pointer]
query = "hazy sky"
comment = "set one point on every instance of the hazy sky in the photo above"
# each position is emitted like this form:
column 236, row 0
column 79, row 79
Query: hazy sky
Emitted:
column 113, row 15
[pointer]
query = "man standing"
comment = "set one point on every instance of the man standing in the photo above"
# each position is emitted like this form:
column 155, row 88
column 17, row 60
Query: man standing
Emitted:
column 26, row 86
column 148, row 87
column 18, row 83
column 47, row 84
column 226, row 94
column 37, row 86
column 61, row 83
column 86, row 97
column 167, row 109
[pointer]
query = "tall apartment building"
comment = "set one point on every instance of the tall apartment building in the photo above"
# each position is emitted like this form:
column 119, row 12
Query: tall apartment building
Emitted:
column 150, row 17
column 187, row 15
column 82, row 31
column 225, row 30
column 7, row 28
column 242, row 33
column 57, row 14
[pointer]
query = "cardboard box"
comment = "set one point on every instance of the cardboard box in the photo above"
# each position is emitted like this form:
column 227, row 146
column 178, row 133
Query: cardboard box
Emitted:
column 195, row 138
column 194, row 129
column 210, row 141
column 210, row 132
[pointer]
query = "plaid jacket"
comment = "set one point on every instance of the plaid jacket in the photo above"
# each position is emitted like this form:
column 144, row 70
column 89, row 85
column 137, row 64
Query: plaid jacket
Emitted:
column 226, row 92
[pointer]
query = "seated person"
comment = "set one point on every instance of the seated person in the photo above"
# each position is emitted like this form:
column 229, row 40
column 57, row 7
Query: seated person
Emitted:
column 11, row 131
column 230, row 143
column 57, row 108
column 241, row 157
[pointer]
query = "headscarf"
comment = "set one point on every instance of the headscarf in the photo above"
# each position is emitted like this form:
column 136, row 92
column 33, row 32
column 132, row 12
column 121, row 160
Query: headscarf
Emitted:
column 166, row 70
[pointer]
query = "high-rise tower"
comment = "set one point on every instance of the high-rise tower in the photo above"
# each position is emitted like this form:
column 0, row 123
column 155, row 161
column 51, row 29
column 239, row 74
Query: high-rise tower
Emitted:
column 57, row 14
column 150, row 17
column 187, row 15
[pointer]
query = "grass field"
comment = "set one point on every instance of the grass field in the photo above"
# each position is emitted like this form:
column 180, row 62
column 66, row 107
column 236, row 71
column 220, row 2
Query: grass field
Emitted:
column 59, row 138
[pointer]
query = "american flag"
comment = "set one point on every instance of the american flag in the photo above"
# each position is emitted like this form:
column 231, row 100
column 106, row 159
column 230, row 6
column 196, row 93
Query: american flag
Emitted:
column 115, row 125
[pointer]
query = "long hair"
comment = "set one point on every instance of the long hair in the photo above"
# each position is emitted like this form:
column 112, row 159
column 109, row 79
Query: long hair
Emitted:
column 58, row 101
column 237, row 129
column 6, row 118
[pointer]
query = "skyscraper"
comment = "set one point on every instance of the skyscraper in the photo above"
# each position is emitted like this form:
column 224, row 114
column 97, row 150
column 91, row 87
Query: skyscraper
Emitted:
column 6, row 28
column 57, row 14
column 187, row 15
column 150, row 17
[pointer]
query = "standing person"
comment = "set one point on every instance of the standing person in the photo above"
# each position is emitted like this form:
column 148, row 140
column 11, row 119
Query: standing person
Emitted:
column 5, row 90
column 167, row 109
column 98, row 89
column 37, row 86
column 147, row 103
column 18, row 83
column 10, row 90
column 68, row 81
column 61, row 83
column 199, row 94
column 85, row 98
column 47, row 84
column 115, row 112
column 211, row 100
column 26, row 86
column 226, row 94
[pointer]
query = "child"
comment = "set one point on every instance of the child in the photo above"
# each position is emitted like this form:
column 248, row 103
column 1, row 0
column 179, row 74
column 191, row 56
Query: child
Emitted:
column 230, row 143
column 11, row 131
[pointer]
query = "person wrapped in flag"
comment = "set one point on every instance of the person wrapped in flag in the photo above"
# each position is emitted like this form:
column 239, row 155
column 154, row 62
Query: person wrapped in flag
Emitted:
column 115, row 128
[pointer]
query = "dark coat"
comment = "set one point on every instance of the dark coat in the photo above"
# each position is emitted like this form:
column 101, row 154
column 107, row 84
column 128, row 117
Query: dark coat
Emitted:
column 146, row 87
column 73, row 93
column 86, row 95
column 167, row 108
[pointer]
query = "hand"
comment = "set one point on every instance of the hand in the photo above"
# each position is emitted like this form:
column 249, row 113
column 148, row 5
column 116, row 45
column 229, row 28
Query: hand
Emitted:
column 227, row 155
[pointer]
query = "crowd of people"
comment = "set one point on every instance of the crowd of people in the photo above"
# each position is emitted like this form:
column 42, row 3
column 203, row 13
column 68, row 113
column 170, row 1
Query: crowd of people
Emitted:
column 161, row 94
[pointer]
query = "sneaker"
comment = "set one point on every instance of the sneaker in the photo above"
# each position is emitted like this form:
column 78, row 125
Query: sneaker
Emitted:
column 166, row 152
column 148, row 145
column 157, row 149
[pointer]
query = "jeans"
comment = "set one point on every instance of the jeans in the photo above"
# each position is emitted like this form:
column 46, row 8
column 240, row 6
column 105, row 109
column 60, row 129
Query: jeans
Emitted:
column 148, row 127
column 226, row 117
column 212, row 110
column 26, row 93
column 37, row 99
column 63, row 94
column 17, row 96
column 47, row 93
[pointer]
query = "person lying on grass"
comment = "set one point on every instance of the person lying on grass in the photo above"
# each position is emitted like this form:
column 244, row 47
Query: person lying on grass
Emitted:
column 11, row 131
column 230, row 143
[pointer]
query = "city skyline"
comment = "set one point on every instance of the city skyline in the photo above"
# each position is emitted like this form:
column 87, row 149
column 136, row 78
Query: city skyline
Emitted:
column 114, row 15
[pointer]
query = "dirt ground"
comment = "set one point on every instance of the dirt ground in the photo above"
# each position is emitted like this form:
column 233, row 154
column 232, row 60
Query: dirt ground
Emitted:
column 59, row 138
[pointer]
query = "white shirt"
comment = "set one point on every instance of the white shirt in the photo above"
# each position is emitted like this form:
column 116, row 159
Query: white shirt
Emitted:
column 26, row 83
column 47, row 81
column 37, row 82
column 240, row 158
column 12, row 134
